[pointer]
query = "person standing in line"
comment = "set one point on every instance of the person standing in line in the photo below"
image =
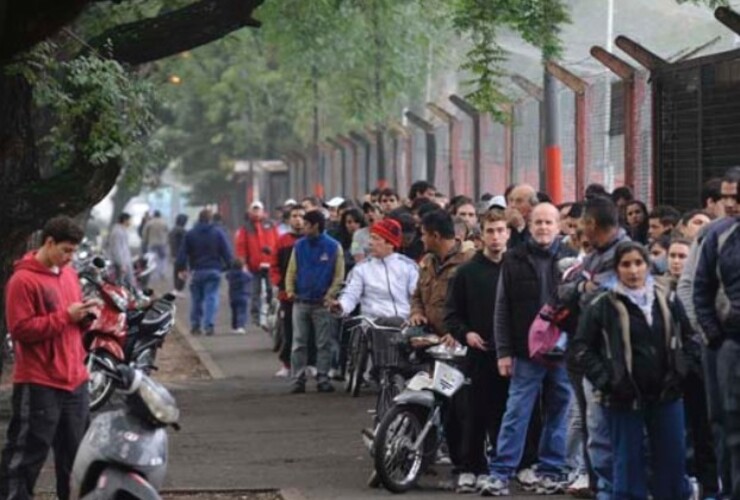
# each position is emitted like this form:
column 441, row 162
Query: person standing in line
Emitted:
column 50, row 407
column 206, row 253
column 529, row 277
column 470, row 306
column 278, row 274
column 119, row 250
column 630, row 342
column 155, row 236
column 176, row 237
column 314, row 276
column 254, row 243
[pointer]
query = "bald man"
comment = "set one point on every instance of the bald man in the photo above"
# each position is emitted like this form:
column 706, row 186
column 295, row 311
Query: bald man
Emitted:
column 520, row 202
column 529, row 276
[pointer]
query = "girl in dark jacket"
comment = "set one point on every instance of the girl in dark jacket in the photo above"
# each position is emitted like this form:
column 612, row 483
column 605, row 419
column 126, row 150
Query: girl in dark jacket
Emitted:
column 636, row 215
column 630, row 345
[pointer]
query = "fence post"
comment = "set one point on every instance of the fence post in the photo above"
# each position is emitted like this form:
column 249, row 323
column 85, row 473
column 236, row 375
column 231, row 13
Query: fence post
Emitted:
column 579, row 87
column 431, row 143
column 627, row 73
column 475, row 116
column 508, row 143
column 379, row 132
column 453, row 142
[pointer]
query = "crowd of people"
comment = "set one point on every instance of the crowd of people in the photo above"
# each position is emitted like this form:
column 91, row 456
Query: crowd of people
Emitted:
column 636, row 399
column 636, row 396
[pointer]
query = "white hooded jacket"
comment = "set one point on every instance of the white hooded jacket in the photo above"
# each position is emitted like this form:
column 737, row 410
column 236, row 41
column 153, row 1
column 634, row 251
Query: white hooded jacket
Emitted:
column 382, row 287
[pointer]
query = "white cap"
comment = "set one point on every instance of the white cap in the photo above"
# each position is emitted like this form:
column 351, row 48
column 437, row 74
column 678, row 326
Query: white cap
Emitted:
column 257, row 204
column 335, row 202
column 290, row 201
column 497, row 202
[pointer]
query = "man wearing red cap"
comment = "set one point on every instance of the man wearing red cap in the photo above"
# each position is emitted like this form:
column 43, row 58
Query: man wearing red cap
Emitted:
column 384, row 283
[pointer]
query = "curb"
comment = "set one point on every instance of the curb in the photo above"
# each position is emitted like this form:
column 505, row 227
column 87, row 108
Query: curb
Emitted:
column 291, row 494
column 203, row 355
column 287, row 494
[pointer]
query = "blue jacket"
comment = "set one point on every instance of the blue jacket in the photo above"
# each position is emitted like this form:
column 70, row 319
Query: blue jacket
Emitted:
column 240, row 283
column 717, row 282
column 205, row 247
column 315, row 265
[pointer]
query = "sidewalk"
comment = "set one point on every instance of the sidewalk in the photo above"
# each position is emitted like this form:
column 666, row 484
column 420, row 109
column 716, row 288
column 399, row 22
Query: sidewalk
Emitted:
column 245, row 430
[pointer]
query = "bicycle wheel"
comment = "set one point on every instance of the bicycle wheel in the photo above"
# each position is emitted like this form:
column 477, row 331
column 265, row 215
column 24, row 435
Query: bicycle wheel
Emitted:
column 361, row 364
column 391, row 385
column 351, row 362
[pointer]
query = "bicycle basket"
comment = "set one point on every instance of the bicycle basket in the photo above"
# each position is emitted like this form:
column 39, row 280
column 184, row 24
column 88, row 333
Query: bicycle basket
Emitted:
column 387, row 348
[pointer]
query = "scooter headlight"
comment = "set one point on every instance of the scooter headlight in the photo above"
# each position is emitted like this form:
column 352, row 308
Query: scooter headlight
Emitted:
column 159, row 402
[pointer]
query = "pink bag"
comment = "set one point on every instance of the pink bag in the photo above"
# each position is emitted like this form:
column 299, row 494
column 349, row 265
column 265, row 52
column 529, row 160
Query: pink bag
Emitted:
column 543, row 335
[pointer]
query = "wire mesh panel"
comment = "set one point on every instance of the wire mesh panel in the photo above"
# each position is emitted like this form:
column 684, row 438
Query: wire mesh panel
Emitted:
column 362, row 168
column 643, row 188
column 419, row 160
column 567, row 127
column 605, row 131
column 698, row 125
column 493, row 157
column 527, row 150
column 464, row 174
column 442, row 143
column 372, row 174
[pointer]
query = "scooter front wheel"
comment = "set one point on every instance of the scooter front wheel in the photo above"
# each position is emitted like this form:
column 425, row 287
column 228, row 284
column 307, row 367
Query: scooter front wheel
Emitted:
column 399, row 466
column 100, row 386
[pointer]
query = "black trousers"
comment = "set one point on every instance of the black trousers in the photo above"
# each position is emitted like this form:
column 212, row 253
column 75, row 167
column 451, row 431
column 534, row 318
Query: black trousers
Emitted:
column 702, row 462
column 43, row 418
column 483, row 404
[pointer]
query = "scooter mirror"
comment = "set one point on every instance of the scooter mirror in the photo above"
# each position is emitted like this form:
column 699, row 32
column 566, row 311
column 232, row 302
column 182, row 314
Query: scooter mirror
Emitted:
column 99, row 262
column 148, row 292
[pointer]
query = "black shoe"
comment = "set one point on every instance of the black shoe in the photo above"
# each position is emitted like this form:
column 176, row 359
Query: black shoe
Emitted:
column 209, row 332
column 195, row 331
column 298, row 389
column 325, row 387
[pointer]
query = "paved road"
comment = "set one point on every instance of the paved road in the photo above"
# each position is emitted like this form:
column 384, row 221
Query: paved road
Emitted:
column 246, row 431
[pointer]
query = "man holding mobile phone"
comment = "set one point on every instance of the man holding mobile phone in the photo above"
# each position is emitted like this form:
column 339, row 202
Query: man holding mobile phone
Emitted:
column 44, row 311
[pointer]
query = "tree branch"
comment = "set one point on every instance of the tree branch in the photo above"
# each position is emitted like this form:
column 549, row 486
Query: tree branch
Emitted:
column 177, row 31
column 24, row 24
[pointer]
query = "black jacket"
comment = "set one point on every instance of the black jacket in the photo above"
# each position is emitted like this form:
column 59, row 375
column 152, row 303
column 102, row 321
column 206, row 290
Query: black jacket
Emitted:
column 628, row 362
column 522, row 291
column 471, row 299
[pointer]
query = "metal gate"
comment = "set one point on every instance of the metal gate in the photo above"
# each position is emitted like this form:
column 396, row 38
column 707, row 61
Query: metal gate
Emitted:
column 697, row 125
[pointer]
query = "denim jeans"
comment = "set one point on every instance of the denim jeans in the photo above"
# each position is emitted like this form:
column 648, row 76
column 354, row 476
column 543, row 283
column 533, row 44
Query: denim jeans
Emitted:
column 599, row 443
column 260, row 279
column 717, row 419
column 309, row 318
column 239, row 313
column 204, row 286
column 728, row 378
column 664, row 423
column 528, row 379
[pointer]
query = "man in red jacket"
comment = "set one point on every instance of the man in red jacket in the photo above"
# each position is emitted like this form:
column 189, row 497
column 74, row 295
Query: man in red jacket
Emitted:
column 254, row 244
column 44, row 309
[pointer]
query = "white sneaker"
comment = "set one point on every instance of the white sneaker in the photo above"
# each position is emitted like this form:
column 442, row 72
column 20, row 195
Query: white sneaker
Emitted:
column 548, row 485
column 240, row 331
column 283, row 372
column 311, row 371
column 466, row 483
column 579, row 486
column 695, row 489
column 495, row 488
column 480, row 481
column 528, row 479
